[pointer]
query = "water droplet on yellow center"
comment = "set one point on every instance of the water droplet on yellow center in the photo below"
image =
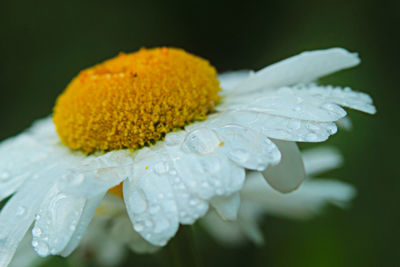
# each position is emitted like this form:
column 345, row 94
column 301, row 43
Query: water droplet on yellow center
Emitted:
column 134, row 99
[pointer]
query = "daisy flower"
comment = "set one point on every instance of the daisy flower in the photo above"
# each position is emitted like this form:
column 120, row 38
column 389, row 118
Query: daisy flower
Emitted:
column 110, row 232
column 158, row 128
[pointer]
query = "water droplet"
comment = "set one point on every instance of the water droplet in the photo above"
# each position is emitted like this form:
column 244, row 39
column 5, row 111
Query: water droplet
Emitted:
column 173, row 139
column 312, row 127
column 161, row 225
column 42, row 249
column 193, row 202
column 4, row 176
column 239, row 155
column 138, row 227
column 72, row 227
column 172, row 172
column 35, row 243
column 154, row 209
column 21, row 211
column 311, row 137
column 330, row 107
column 294, row 124
column 148, row 223
column 299, row 99
column 77, row 179
column 161, row 167
column 161, row 196
column 210, row 165
column 36, row 231
column 139, row 202
column 202, row 141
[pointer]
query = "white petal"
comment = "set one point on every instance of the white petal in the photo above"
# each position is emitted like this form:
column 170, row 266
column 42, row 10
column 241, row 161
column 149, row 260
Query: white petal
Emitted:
column 150, row 203
column 247, row 148
column 190, row 206
column 289, row 173
column 229, row 80
column 287, row 104
column 86, row 216
column 25, row 155
column 303, row 68
column 56, row 222
column 321, row 159
column 209, row 175
column 19, row 212
column 96, row 175
column 61, row 221
column 341, row 96
column 302, row 203
column 227, row 206
column 279, row 127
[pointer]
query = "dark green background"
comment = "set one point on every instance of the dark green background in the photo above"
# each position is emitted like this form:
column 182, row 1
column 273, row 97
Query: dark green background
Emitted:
column 45, row 43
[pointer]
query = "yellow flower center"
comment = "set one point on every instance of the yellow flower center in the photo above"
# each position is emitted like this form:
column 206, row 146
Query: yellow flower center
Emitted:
column 134, row 99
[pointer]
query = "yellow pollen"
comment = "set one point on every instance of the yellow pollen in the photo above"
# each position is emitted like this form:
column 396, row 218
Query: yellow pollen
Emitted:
column 133, row 100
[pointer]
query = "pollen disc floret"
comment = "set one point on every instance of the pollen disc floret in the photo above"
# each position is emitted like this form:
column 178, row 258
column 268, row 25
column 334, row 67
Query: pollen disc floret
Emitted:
column 134, row 99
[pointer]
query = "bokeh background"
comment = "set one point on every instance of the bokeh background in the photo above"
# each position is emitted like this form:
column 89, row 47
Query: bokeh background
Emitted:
column 45, row 43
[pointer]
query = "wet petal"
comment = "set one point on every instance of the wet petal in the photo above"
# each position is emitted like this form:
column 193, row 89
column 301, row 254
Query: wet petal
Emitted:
column 289, row 173
column 302, row 68
column 19, row 212
column 247, row 148
column 150, row 202
column 86, row 216
column 227, row 206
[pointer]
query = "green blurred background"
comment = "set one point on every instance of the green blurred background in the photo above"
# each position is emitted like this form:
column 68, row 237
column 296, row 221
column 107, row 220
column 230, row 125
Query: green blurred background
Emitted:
column 45, row 43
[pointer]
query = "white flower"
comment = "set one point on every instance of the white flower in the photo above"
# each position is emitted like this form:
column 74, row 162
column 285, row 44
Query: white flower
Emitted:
column 259, row 199
column 110, row 233
column 255, row 127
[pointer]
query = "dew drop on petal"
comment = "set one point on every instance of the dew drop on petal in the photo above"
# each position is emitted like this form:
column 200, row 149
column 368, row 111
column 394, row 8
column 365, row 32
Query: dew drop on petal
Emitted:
column 21, row 211
column 35, row 243
column 173, row 139
column 239, row 155
column 202, row 141
column 294, row 124
column 4, row 176
column 154, row 209
column 139, row 201
column 42, row 249
column 138, row 227
column 311, row 137
column 161, row 167
column 36, row 232
column 77, row 179
column 148, row 223
column 161, row 225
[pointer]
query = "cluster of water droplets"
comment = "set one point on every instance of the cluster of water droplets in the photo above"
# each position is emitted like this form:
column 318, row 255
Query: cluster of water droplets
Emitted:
column 337, row 95
column 56, row 222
